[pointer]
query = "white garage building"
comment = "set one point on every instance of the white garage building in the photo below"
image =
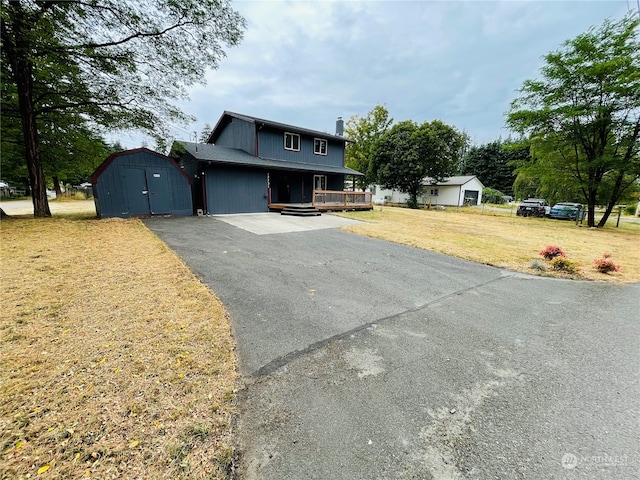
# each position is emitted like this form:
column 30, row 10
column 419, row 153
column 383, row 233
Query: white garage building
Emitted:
column 453, row 191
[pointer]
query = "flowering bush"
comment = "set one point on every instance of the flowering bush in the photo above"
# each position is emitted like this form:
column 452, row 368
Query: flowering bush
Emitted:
column 562, row 264
column 605, row 264
column 551, row 251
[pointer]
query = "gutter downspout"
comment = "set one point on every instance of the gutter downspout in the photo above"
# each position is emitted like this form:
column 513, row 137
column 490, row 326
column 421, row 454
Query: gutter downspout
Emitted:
column 204, row 193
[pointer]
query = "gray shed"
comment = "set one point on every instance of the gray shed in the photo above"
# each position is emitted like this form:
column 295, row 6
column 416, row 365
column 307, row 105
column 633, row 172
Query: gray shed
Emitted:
column 141, row 183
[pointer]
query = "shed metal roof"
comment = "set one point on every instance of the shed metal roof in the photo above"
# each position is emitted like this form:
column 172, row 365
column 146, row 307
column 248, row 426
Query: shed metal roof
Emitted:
column 206, row 152
column 455, row 180
column 226, row 117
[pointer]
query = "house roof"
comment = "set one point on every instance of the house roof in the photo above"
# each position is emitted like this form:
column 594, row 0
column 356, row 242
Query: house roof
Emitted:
column 452, row 181
column 207, row 152
column 103, row 166
column 228, row 116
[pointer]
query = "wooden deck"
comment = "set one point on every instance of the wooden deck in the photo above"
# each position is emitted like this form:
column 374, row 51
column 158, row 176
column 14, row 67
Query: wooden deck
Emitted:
column 333, row 201
column 325, row 207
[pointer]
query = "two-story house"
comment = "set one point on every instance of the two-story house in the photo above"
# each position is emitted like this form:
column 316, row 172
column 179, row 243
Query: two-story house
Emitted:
column 254, row 165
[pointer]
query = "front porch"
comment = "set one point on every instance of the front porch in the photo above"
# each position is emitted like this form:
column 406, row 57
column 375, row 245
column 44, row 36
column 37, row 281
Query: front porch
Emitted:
column 331, row 201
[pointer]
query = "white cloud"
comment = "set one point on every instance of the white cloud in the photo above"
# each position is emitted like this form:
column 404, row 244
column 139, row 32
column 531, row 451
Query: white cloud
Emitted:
column 307, row 62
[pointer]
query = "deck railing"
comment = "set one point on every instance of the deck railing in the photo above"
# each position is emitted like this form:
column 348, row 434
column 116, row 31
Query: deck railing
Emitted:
column 330, row 198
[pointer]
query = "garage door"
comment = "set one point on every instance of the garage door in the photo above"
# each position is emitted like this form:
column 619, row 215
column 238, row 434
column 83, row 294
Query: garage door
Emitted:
column 471, row 197
column 235, row 190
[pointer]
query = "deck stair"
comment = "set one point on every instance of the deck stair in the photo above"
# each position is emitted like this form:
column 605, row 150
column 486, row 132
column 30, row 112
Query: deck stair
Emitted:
column 301, row 211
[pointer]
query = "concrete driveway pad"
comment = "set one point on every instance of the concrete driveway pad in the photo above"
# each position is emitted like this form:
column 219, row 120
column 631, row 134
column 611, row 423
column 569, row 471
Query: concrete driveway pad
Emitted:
column 270, row 223
column 363, row 359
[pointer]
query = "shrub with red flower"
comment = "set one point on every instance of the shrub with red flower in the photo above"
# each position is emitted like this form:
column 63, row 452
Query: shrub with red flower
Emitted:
column 605, row 264
column 552, row 251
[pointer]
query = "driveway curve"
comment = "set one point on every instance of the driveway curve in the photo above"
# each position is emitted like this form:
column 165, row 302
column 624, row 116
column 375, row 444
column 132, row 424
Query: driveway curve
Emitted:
column 365, row 359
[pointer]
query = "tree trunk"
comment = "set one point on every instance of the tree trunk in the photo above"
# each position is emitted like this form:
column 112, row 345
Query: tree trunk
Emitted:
column 613, row 200
column 591, row 206
column 18, row 50
column 56, row 186
column 34, row 165
column 413, row 198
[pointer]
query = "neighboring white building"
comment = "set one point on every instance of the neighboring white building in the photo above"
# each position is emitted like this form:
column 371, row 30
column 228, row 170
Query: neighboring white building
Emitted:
column 454, row 191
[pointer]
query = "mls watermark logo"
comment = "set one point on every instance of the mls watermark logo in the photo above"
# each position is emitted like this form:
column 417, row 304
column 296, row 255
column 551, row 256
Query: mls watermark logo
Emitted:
column 569, row 461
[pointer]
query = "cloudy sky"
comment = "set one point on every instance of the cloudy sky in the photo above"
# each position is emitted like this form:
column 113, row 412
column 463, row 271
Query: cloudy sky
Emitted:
column 305, row 63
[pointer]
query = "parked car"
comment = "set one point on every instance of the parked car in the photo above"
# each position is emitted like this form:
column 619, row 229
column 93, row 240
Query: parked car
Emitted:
column 533, row 207
column 565, row 211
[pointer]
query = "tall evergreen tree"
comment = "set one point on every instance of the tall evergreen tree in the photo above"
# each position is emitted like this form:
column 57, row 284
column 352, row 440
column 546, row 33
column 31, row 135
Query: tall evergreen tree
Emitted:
column 493, row 164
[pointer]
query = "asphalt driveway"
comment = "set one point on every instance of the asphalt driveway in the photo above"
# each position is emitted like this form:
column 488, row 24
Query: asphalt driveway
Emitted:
column 364, row 359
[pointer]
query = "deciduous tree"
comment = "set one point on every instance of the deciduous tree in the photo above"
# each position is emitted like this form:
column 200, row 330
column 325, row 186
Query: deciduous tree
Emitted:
column 583, row 115
column 408, row 154
column 118, row 63
column 364, row 132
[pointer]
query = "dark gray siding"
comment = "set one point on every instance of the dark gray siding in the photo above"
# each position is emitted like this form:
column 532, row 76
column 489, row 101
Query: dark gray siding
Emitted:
column 271, row 145
column 238, row 134
column 110, row 194
column 335, row 182
column 119, row 188
column 236, row 190
column 189, row 164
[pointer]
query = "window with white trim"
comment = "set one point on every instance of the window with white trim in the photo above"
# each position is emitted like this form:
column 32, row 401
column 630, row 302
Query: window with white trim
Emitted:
column 319, row 146
column 434, row 192
column 292, row 141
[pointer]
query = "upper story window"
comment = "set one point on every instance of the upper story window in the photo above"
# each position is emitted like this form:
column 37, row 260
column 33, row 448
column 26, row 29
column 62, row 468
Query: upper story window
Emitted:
column 319, row 146
column 292, row 141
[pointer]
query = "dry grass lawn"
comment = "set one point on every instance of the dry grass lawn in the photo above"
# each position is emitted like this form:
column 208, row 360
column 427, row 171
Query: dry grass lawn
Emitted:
column 115, row 361
column 511, row 242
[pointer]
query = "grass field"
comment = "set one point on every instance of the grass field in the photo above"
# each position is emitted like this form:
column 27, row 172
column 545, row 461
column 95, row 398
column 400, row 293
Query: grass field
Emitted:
column 500, row 239
column 115, row 361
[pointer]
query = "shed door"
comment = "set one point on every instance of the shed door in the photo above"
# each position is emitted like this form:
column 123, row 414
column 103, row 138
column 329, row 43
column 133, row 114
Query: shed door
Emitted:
column 136, row 190
column 159, row 194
